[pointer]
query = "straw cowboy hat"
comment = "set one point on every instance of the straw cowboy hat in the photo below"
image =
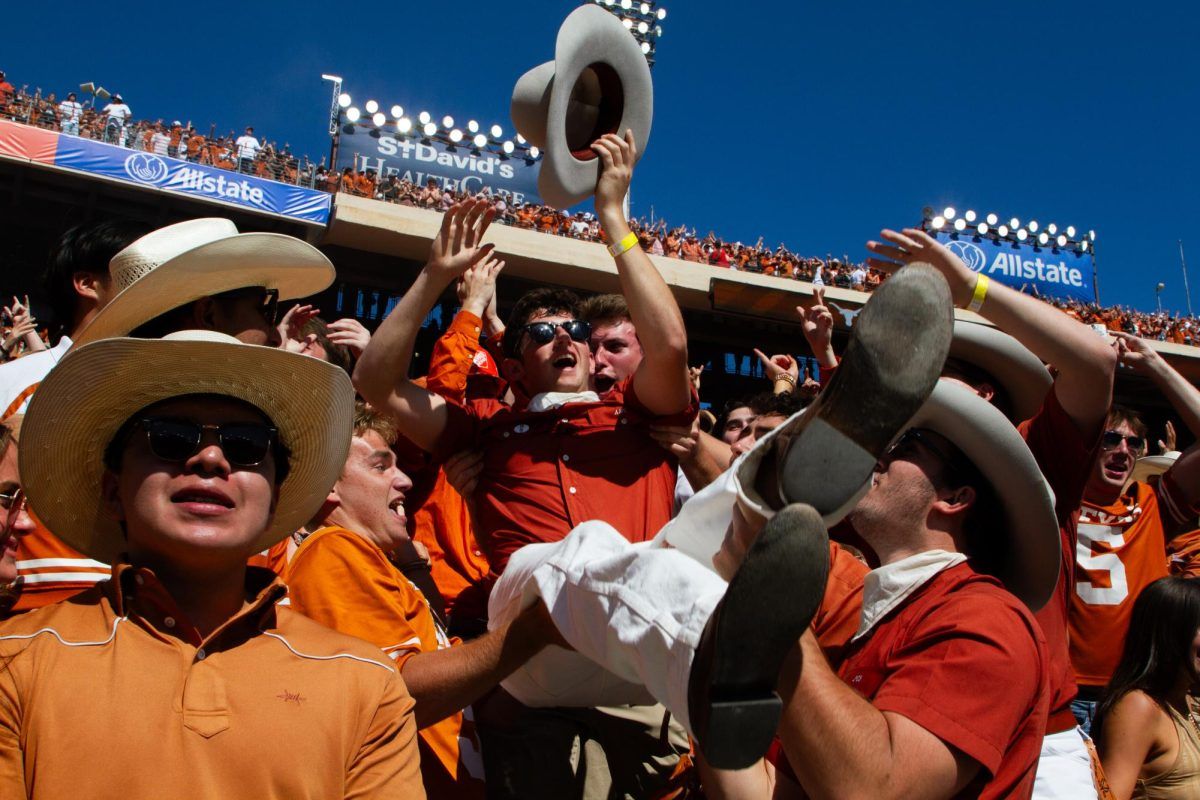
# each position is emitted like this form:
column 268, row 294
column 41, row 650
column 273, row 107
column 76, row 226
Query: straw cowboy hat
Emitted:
column 181, row 263
column 989, row 440
column 1019, row 372
column 1147, row 467
column 91, row 393
column 598, row 83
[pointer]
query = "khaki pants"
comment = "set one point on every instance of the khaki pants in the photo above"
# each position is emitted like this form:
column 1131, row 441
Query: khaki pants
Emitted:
column 577, row 753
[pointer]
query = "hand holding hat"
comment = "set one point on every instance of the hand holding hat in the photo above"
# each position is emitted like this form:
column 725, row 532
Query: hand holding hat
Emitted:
column 618, row 155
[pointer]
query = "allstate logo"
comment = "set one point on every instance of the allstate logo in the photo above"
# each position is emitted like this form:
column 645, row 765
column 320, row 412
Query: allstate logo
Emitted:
column 146, row 168
column 971, row 254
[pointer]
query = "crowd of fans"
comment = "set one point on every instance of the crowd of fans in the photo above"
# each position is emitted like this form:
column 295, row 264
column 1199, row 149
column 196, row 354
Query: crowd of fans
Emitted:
column 114, row 123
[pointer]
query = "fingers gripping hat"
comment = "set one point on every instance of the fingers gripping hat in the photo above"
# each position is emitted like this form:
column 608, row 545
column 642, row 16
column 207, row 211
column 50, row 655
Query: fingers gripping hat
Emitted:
column 598, row 83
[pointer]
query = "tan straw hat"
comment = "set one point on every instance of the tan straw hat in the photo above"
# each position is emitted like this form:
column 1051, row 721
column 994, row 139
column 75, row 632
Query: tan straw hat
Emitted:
column 598, row 83
column 180, row 263
column 1019, row 372
column 1147, row 467
column 91, row 393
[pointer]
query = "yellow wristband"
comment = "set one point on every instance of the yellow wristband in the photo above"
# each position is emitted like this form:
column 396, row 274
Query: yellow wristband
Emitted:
column 623, row 246
column 981, row 287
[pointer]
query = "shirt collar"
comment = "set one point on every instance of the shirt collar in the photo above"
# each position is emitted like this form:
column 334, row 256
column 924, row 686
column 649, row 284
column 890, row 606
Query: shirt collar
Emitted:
column 885, row 588
column 547, row 401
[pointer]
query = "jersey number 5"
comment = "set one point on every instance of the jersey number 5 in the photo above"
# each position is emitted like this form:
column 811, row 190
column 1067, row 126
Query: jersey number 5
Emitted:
column 1118, row 589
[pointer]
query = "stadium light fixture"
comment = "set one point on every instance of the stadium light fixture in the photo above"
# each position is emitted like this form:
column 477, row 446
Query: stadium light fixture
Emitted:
column 643, row 28
column 1033, row 226
column 534, row 152
column 969, row 216
column 646, row 48
column 447, row 122
column 509, row 147
column 937, row 223
column 521, row 139
column 1051, row 229
column 645, row 8
column 610, row 3
column 372, row 106
column 626, row 5
column 429, row 129
column 1022, row 234
column 628, row 23
column 397, row 112
column 960, row 224
column 1061, row 240
column 344, row 100
column 404, row 124
column 1003, row 231
column 1083, row 246
column 662, row 14
column 480, row 140
column 424, row 118
column 472, row 126
column 1043, row 237
column 353, row 114
column 1071, row 231
column 982, row 228
column 497, row 131
column 949, row 212
column 379, row 118
column 334, row 78
column 658, row 31
column 456, row 136
column 992, row 219
column 1092, row 236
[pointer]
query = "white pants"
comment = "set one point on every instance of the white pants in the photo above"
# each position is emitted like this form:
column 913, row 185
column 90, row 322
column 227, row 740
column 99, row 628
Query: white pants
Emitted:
column 1064, row 769
column 633, row 613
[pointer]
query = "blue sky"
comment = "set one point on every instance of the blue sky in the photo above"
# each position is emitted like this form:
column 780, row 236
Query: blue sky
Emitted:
column 810, row 123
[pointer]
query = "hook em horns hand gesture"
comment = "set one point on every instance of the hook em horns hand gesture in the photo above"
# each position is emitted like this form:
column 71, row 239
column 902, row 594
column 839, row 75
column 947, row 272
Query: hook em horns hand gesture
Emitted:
column 459, row 244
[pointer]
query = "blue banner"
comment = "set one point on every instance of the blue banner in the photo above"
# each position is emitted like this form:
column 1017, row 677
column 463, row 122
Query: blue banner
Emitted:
column 1052, row 271
column 455, row 167
column 196, row 180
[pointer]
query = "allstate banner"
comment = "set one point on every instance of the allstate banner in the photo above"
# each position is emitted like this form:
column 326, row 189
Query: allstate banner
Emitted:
column 1052, row 271
column 197, row 180
column 455, row 167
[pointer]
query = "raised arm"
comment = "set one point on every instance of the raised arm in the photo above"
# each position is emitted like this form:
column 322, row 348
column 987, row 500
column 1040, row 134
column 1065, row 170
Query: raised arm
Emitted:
column 381, row 375
column 661, row 382
column 1084, row 361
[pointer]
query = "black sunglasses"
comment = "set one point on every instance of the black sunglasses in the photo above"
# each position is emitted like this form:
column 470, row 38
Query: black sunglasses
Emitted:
column 245, row 444
column 543, row 332
column 1112, row 439
column 906, row 446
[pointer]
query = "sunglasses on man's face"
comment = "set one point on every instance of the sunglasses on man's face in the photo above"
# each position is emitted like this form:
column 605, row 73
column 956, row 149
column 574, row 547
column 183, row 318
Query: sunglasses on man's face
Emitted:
column 1112, row 440
column 542, row 332
column 245, row 444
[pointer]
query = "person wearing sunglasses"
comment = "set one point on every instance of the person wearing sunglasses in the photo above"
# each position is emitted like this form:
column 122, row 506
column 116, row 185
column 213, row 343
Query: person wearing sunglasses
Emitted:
column 1127, row 528
column 184, row 457
column 15, row 522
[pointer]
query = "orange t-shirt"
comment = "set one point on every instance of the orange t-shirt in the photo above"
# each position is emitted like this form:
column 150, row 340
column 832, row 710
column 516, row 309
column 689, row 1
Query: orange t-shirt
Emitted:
column 1122, row 549
column 837, row 617
column 345, row 582
column 194, row 144
column 1183, row 555
column 50, row 570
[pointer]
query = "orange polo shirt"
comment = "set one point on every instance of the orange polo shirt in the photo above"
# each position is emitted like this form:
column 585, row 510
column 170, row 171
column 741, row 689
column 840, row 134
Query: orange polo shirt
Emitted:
column 114, row 694
column 340, row 579
column 50, row 570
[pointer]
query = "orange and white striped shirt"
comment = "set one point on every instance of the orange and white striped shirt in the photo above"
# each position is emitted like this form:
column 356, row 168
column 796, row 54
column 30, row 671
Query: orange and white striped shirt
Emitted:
column 50, row 570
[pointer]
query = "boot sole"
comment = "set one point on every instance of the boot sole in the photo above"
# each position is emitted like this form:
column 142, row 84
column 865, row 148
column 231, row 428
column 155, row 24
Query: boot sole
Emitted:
column 897, row 350
column 769, row 604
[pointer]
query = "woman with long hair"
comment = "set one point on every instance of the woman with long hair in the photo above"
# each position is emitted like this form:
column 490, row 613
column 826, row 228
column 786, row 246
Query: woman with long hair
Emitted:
column 1147, row 727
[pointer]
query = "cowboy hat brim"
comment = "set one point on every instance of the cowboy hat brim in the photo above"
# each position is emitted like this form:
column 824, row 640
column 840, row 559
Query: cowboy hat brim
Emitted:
column 1147, row 467
column 90, row 394
column 271, row 260
column 598, row 83
column 1020, row 373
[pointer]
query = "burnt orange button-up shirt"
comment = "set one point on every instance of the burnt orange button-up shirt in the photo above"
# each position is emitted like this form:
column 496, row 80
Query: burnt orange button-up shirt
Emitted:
column 113, row 694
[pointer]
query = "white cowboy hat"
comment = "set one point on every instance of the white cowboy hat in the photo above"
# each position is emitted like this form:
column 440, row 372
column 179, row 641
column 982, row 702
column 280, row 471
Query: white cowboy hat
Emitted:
column 989, row 440
column 598, row 83
column 1019, row 372
column 90, row 394
column 1147, row 467
column 180, row 263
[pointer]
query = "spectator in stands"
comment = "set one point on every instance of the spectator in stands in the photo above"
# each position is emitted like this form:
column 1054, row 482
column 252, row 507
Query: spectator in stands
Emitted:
column 1145, row 727
column 735, row 418
column 69, row 113
column 160, row 140
column 186, row 637
column 15, row 515
column 195, row 146
column 247, row 150
column 767, row 412
column 343, row 576
column 7, row 92
column 116, row 115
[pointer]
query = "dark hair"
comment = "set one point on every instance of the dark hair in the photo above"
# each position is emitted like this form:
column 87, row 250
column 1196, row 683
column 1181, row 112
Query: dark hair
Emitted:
column 180, row 317
column 1162, row 626
column 768, row 404
column 336, row 354
column 115, row 448
column 536, row 303
column 986, row 538
column 729, row 407
column 604, row 308
column 84, row 248
column 1119, row 414
column 976, row 376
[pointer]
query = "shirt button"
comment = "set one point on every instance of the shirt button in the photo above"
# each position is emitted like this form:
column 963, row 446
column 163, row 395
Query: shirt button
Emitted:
column 572, row 490
column 566, row 457
column 201, row 655
column 169, row 622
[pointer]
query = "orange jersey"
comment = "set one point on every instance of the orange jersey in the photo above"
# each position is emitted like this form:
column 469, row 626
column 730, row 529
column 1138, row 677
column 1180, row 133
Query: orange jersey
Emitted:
column 345, row 582
column 49, row 570
column 1183, row 555
column 1122, row 549
column 837, row 618
column 276, row 557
